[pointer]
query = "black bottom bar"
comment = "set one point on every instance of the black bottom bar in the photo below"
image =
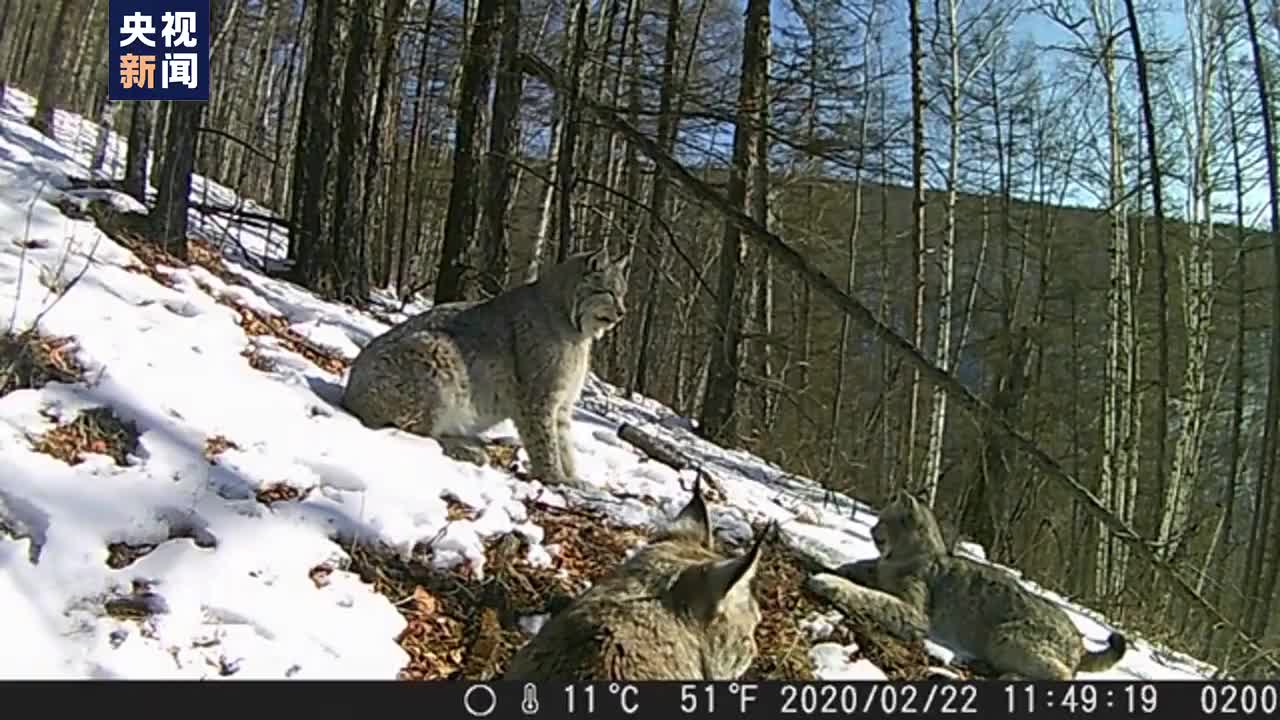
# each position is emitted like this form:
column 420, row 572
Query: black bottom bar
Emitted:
column 504, row 700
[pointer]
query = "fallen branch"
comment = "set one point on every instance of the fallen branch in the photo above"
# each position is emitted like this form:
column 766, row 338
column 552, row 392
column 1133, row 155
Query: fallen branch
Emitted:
column 242, row 143
column 242, row 214
column 654, row 447
column 787, row 256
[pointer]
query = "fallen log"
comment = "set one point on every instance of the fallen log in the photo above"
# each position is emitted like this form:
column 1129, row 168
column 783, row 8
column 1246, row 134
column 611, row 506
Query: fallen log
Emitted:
column 654, row 447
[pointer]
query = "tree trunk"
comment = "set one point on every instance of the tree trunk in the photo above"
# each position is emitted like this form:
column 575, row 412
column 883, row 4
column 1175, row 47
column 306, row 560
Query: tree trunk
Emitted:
column 405, row 252
column 1162, row 263
column 138, row 154
column 1118, row 380
column 173, row 184
column 570, row 118
column 946, row 257
column 1228, row 497
column 459, row 223
column 1262, row 566
column 8, row 21
column 647, row 273
column 557, row 203
column 718, row 414
column 372, row 209
column 49, row 94
column 348, row 278
column 311, row 190
column 851, row 240
column 917, row 228
column 504, row 141
column 1197, row 284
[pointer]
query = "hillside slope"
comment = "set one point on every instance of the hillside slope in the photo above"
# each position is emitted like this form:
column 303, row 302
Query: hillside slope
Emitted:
column 181, row 496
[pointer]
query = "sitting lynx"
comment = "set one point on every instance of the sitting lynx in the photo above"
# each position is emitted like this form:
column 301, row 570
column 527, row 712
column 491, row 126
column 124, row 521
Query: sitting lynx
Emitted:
column 916, row 588
column 676, row 610
column 461, row 368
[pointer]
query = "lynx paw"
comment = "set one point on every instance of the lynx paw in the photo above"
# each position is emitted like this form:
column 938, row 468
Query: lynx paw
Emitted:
column 464, row 451
column 831, row 587
column 561, row 479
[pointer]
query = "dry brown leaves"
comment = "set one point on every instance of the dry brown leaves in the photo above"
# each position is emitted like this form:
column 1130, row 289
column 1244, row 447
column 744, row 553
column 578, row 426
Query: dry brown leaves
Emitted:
column 458, row 511
column 783, row 645
column 320, row 575
column 256, row 323
column 434, row 635
column 96, row 430
column 216, row 445
column 122, row 555
column 29, row 360
column 280, row 492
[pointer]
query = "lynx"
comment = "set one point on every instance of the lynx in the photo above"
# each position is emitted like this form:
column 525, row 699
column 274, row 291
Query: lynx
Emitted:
column 461, row 368
column 676, row 610
column 916, row 588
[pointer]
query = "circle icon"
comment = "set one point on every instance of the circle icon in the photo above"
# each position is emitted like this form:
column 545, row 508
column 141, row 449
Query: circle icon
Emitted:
column 476, row 707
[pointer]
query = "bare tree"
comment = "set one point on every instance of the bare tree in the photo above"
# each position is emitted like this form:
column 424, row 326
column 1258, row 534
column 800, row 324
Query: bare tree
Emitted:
column 871, row 40
column 138, row 154
column 1263, row 564
column 51, row 82
column 719, row 405
column 1197, row 268
column 918, row 229
column 954, row 87
column 557, row 205
column 1162, row 264
column 459, row 224
column 503, row 141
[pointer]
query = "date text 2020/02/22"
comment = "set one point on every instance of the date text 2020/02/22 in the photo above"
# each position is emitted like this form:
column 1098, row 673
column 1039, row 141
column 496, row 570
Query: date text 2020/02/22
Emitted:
column 922, row 699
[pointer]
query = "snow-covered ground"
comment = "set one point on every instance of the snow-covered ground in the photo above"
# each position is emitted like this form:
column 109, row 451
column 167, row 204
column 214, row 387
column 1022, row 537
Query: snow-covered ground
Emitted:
column 232, row 574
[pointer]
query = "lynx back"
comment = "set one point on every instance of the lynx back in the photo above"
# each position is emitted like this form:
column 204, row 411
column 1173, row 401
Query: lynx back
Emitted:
column 675, row 610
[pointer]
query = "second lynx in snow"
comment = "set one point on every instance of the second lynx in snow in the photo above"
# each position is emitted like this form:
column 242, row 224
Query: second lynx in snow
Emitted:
column 461, row 368
column 916, row 588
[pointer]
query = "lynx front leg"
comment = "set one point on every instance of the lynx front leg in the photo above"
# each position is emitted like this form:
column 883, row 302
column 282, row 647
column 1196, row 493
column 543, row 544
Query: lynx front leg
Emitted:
column 536, row 424
column 862, row 572
column 893, row 615
column 564, row 441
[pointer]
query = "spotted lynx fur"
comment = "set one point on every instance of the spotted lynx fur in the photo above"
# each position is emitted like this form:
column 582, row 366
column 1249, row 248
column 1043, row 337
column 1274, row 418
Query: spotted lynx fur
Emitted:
column 676, row 610
column 461, row 368
column 917, row 588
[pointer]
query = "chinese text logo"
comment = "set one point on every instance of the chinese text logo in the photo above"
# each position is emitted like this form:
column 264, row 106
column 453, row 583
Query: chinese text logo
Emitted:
column 159, row 50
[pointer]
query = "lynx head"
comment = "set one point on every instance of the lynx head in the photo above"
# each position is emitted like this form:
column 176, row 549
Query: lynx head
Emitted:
column 906, row 526
column 714, row 593
column 597, row 289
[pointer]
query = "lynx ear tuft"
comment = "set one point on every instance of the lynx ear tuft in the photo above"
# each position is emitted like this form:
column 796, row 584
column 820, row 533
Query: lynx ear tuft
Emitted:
column 703, row 590
column 693, row 522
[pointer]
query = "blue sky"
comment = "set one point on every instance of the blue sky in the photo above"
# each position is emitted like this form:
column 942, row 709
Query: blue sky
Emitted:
column 1163, row 28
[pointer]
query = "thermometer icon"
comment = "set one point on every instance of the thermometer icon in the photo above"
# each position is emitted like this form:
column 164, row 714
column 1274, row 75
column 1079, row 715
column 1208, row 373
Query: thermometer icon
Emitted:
column 529, row 705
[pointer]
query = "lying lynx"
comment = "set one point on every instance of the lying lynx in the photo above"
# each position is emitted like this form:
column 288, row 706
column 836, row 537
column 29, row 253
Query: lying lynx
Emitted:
column 916, row 588
column 676, row 610
column 461, row 368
